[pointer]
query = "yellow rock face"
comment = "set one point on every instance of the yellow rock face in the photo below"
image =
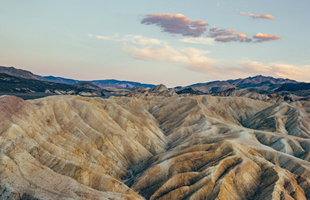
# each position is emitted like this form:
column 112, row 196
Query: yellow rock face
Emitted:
column 197, row 147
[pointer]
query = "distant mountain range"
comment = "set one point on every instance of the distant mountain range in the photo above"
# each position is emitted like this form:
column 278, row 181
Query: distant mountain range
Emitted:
column 14, row 80
column 101, row 83
column 257, row 83
column 14, row 85
column 250, row 82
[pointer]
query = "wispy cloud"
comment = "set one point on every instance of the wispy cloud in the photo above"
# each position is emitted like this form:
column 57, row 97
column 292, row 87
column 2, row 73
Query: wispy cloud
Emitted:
column 208, row 41
column 215, row 32
column 233, row 39
column 139, row 39
column 226, row 35
column 191, row 58
column 221, row 35
column 136, row 39
column 276, row 69
column 198, row 60
column 176, row 24
column 260, row 16
column 265, row 37
column 103, row 37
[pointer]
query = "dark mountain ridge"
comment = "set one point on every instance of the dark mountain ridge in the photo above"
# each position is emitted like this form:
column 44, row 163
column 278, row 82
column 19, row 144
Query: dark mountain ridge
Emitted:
column 57, row 79
column 17, row 72
column 259, row 80
column 251, row 80
column 101, row 83
column 31, row 88
column 259, row 84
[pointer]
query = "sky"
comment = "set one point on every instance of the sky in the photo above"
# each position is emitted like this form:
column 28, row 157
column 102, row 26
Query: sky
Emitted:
column 176, row 43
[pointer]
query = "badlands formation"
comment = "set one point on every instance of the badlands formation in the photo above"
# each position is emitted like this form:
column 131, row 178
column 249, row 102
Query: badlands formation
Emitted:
column 154, row 147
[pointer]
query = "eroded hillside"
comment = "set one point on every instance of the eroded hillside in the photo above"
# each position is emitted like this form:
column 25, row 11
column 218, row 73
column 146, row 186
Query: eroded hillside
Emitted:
column 197, row 147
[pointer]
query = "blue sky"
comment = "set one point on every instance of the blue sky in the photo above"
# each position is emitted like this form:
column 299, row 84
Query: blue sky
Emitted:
column 171, row 42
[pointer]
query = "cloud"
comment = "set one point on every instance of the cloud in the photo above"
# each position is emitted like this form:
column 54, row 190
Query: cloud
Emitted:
column 220, row 35
column 99, row 36
column 233, row 39
column 176, row 24
column 136, row 39
column 197, row 60
column 214, row 32
column 226, row 39
column 208, row 41
column 103, row 37
column 276, row 69
column 190, row 58
column 226, row 35
column 265, row 37
column 241, row 35
column 139, row 39
column 261, row 16
column 180, row 24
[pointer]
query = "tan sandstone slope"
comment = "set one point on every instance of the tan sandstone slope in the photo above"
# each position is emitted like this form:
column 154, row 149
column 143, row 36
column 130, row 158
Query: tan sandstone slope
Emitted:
column 197, row 147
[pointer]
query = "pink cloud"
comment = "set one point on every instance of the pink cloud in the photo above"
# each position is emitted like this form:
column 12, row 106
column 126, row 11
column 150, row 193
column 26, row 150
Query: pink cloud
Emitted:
column 176, row 24
column 265, row 37
column 180, row 24
column 262, row 16
column 241, row 35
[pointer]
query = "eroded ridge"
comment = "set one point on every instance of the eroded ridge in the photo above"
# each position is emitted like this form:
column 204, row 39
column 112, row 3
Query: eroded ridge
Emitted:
column 198, row 147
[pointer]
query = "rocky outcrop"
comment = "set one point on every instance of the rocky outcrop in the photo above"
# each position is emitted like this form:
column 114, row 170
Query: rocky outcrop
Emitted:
column 153, row 147
column 158, row 90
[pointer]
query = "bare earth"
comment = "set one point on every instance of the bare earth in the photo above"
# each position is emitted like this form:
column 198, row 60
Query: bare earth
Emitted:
column 195, row 147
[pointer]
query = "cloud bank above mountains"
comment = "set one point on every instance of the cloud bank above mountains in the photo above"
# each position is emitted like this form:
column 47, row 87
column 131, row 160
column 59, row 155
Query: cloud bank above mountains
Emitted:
column 200, row 60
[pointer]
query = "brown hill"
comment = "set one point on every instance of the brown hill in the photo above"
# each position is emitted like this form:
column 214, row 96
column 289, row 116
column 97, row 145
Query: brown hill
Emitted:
column 196, row 147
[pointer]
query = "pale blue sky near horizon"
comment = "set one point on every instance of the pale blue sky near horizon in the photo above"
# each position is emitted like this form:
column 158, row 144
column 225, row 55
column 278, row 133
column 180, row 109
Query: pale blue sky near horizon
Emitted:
column 101, row 39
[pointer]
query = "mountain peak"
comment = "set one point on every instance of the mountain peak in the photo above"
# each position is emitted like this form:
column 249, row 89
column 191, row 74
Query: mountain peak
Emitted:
column 258, row 80
column 17, row 72
column 159, row 88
